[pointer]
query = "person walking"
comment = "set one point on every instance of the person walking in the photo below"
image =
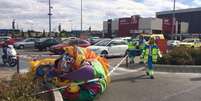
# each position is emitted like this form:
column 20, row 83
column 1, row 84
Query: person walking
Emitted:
column 131, row 50
column 150, row 55
column 141, row 45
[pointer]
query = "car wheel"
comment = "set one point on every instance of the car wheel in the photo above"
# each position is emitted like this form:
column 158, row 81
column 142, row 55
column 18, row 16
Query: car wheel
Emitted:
column 104, row 54
column 21, row 46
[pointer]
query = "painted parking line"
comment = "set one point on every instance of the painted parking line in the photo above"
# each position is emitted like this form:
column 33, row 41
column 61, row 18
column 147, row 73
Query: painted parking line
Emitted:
column 123, row 71
column 180, row 74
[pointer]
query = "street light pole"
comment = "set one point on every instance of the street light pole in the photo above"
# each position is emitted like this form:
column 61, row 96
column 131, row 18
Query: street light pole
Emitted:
column 81, row 16
column 50, row 17
column 173, row 19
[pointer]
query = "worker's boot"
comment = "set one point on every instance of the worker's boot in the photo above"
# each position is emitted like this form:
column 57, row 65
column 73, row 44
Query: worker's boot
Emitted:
column 132, row 62
column 147, row 73
column 151, row 77
column 141, row 62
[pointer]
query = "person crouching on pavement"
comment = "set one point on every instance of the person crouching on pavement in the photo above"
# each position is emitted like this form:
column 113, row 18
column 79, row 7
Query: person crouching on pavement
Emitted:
column 79, row 64
column 150, row 54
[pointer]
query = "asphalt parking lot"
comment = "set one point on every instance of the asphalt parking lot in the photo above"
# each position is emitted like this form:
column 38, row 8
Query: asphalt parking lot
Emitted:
column 130, row 84
column 135, row 86
column 24, row 62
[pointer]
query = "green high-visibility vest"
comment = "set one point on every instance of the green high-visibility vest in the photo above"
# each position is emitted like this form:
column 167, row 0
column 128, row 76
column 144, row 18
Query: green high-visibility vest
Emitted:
column 152, row 51
column 131, row 46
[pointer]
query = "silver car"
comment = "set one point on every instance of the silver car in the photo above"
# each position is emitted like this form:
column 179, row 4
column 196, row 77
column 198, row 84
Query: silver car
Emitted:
column 110, row 47
column 26, row 43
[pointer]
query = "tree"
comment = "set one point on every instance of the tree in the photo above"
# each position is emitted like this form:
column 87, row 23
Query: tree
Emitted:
column 22, row 33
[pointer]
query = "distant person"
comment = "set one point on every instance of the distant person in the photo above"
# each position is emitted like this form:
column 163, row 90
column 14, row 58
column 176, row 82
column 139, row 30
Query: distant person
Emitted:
column 5, row 47
column 141, row 45
column 150, row 54
column 132, row 50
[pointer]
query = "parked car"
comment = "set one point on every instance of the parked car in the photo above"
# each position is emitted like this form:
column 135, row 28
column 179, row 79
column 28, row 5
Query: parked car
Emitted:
column 110, row 47
column 191, row 42
column 96, row 40
column 124, row 38
column 10, row 40
column 26, row 43
column 173, row 43
column 72, row 38
column 58, row 49
column 46, row 43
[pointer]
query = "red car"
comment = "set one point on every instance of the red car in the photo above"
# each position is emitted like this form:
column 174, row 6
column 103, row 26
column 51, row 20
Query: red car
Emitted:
column 58, row 49
column 10, row 40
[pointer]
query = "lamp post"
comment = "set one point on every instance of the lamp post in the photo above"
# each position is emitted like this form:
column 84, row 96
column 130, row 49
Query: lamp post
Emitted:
column 50, row 17
column 81, row 16
column 173, row 19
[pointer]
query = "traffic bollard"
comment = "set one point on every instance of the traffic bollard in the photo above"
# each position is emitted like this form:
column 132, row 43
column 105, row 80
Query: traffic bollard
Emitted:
column 127, row 61
column 18, row 64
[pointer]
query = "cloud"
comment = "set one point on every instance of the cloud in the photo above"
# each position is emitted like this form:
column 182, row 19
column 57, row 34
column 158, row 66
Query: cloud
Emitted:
column 197, row 2
column 33, row 13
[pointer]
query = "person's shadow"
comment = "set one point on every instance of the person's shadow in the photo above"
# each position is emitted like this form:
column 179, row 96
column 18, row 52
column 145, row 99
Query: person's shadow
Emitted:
column 196, row 79
column 132, row 79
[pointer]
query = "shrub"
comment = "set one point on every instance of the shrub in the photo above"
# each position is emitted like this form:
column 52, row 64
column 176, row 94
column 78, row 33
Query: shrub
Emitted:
column 182, row 56
column 196, row 55
column 20, row 88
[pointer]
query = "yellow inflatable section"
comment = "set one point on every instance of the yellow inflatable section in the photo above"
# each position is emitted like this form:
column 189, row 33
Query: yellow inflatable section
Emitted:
column 46, row 61
column 73, row 88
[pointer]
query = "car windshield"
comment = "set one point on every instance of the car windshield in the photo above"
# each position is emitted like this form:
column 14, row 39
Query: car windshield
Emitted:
column 103, row 43
column 42, row 39
column 188, row 40
column 66, row 41
column 27, row 40
column 171, row 41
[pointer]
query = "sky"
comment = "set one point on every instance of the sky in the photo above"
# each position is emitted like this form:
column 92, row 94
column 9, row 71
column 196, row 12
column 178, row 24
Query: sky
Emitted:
column 32, row 14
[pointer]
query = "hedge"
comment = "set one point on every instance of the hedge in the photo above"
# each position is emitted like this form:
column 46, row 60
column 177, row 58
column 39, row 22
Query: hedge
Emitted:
column 20, row 88
column 182, row 56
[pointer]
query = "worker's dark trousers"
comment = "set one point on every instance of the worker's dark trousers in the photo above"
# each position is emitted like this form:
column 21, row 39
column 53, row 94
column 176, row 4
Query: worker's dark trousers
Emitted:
column 150, row 68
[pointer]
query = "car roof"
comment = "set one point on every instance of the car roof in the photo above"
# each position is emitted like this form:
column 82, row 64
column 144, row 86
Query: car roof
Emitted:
column 75, row 41
column 118, row 40
column 192, row 39
column 5, row 37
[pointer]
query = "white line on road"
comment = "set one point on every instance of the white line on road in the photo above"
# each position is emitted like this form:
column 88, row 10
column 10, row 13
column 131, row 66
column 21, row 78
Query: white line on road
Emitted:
column 122, row 71
column 183, row 74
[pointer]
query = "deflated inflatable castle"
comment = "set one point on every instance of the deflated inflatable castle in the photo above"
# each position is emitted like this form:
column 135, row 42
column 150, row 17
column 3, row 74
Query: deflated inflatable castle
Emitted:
column 75, row 66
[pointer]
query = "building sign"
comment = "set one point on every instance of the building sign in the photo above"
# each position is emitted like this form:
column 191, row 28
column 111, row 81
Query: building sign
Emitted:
column 167, row 22
column 124, row 21
column 167, row 25
column 128, row 26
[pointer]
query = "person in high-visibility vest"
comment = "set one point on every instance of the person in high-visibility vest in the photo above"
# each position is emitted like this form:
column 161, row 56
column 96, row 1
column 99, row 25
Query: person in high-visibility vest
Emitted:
column 141, row 45
column 131, row 51
column 150, row 54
